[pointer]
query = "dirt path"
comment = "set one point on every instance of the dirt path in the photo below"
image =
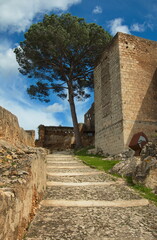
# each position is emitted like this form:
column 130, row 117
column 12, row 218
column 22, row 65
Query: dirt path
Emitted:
column 83, row 203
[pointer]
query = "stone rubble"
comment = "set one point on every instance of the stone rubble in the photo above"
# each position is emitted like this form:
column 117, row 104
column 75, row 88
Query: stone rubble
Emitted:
column 121, row 156
column 142, row 169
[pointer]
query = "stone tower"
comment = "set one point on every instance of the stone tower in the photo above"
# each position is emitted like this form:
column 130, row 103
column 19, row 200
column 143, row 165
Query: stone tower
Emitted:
column 125, row 92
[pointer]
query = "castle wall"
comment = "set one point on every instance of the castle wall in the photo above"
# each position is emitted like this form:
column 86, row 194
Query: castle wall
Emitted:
column 57, row 138
column 89, row 119
column 125, row 92
column 108, row 107
column 138, row 67
column 62, row 138
column 11, row 131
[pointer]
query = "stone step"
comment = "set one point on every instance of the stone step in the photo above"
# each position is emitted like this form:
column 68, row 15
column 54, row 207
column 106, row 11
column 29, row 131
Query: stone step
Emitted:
column 74, row 184
column 91, row 205
column 61, row 157
column 82, row 203
column 110, row 191
column 82, row 178
column 69, row 170
column 94, row 223
column 62, row 162
column 67, row 167
column 75, row 173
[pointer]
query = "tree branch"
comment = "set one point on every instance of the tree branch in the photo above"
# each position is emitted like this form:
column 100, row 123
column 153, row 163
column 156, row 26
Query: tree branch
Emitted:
column 56, row 87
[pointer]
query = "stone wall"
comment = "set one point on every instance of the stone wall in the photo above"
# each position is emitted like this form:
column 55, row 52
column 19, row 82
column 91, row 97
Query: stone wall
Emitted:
column 55, row 137
column 21, row 189
column 62, row 138
column 10, row 130
column 125, row 92
column 89, row 119
column 108, row 107
column 22, row 176
column 138, row 69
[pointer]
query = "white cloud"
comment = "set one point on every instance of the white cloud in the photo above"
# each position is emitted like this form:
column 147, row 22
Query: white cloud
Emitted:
column 116, row 25
column 8, row 63
column 54, row 108
column 4, row 44
column 150, row 26
column 136, row 27
column 17, row 15
column 11, row 83
column 97, row 10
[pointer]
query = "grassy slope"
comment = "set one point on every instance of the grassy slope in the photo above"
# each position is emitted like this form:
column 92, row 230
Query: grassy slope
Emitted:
column 97, row 162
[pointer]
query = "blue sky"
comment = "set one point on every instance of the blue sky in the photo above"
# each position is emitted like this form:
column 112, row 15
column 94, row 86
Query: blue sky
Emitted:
column 137, row 17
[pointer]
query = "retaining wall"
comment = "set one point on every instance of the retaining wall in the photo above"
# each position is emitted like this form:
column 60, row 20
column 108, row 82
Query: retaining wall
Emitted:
column 19, row 199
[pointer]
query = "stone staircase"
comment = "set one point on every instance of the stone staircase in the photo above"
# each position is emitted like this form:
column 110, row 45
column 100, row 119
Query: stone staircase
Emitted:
column 82, row 203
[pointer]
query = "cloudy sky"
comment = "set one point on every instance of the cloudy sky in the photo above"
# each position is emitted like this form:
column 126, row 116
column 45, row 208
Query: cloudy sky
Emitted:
column 137, row 17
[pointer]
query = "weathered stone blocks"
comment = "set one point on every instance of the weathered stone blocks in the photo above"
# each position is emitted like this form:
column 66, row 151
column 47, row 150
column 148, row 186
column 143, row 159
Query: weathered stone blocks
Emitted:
column 62, row 138
column 11, row 131
column 20, row 192
column 125, row 92
column 22, row 176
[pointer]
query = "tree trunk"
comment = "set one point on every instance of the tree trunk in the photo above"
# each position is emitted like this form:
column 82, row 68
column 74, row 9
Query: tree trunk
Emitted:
column 74, row 119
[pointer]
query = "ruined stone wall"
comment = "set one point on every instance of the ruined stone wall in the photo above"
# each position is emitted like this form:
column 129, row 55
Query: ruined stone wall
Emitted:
column 10, row 130
column 108, row 107
column 138, row 70
column 125, row 92
column 22, row 185
column 22, row 177
column 62, row 138
column 57, row 138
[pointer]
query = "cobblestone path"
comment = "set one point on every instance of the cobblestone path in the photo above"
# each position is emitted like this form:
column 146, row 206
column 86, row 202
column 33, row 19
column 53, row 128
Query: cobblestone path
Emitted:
column 83, row 203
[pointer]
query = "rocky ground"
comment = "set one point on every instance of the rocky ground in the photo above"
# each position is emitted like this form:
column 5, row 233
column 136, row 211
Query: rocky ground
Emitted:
column 82, row 203
column 142, row 169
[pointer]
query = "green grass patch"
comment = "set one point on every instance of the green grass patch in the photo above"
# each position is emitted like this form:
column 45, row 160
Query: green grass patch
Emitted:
column 95, row 160
column 98, row 163
column 144, row 191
